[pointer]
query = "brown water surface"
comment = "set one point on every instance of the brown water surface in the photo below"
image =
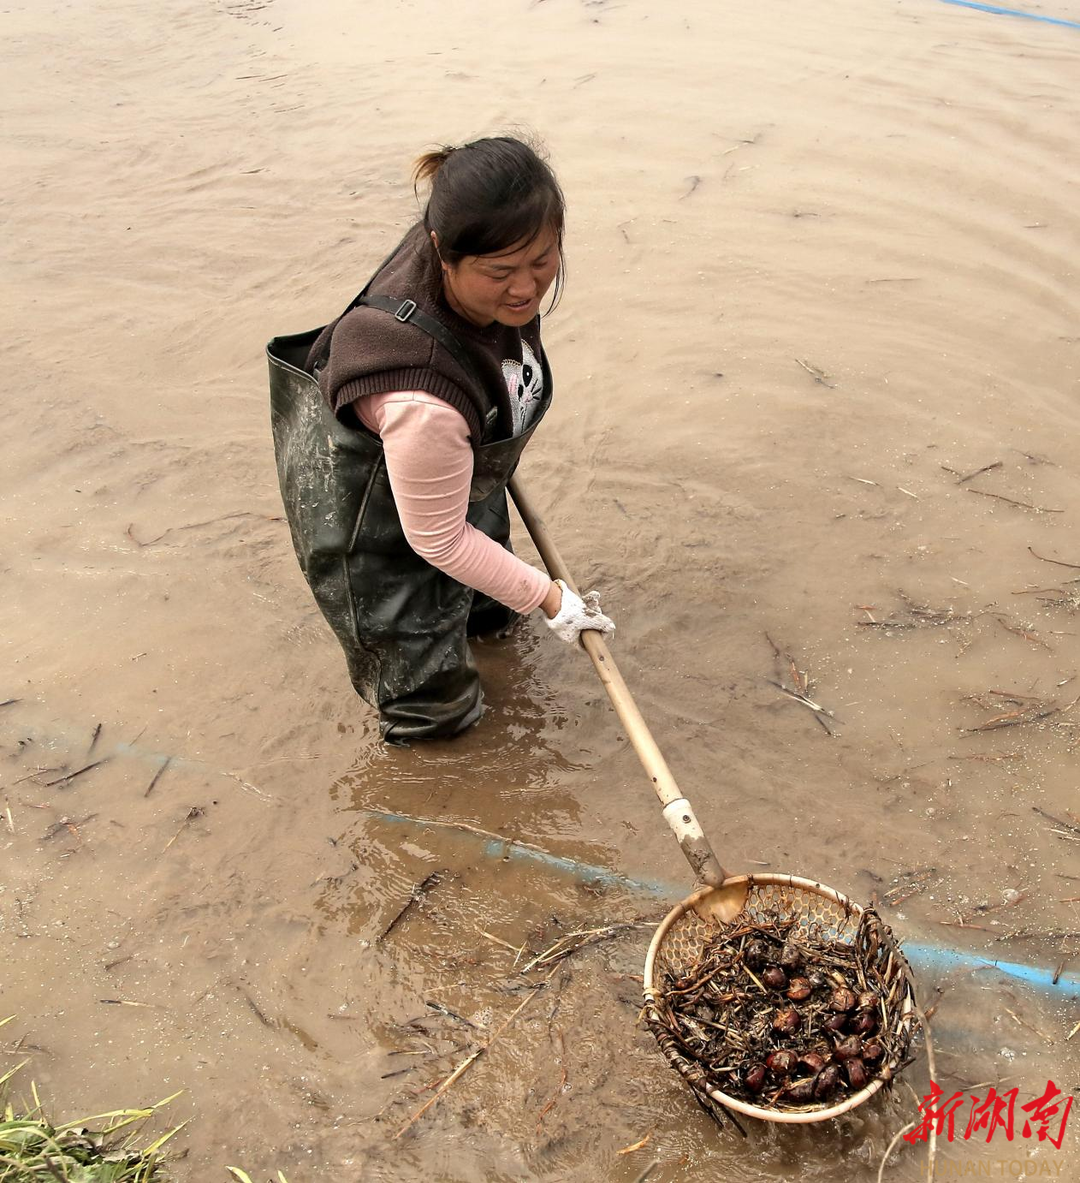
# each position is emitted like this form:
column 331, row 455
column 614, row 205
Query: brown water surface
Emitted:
column 821, row 268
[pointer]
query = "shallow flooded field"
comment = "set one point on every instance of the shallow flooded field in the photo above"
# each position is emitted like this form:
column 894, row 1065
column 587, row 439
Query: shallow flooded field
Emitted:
column 816, row 427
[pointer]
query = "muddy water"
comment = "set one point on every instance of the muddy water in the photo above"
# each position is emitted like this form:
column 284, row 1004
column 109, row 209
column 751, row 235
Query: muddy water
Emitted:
column 822, row 266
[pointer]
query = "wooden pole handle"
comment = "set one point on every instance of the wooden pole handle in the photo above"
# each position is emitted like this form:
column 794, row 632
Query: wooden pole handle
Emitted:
column 677, row 809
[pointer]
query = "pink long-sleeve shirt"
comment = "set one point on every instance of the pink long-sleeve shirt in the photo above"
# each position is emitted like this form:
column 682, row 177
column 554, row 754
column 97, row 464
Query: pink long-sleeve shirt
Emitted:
column 429, row 461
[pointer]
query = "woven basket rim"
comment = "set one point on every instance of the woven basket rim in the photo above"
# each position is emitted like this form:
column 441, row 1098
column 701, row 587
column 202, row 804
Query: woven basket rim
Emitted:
column 907, row 1013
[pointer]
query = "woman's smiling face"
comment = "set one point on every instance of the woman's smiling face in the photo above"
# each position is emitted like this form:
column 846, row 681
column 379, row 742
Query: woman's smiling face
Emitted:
column 507, row 286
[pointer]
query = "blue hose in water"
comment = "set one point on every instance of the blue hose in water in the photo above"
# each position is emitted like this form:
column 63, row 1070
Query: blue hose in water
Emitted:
column 1028, row 16
column 929, row 958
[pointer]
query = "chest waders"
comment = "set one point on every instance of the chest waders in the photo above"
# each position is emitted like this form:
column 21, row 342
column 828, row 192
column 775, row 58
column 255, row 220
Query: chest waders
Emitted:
column 401, row 622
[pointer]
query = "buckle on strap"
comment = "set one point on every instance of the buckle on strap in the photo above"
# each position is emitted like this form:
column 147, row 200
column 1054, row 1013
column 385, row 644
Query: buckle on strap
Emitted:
column 407, row 308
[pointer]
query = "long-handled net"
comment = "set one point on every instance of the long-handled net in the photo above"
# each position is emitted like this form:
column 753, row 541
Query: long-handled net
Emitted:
column 770, row 995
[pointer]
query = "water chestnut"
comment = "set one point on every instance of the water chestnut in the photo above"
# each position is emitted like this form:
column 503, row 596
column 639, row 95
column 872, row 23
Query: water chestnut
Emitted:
column 798, row 990
column 872, row 1052
column 787, row 1022
column 842, row 999
column 864, row 1023
column 826, row 1081
column 774, row 977
column 791, row 957
column 782, row 1062
column 855, row 1070
column 757, row 953
column 849, row 1048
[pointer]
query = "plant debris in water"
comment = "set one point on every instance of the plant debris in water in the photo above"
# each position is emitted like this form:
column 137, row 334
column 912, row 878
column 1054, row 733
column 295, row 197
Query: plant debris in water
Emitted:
column 785, row 1019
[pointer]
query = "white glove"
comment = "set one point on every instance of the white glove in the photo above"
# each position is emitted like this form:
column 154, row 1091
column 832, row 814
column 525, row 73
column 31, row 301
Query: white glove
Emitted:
column 576, row 615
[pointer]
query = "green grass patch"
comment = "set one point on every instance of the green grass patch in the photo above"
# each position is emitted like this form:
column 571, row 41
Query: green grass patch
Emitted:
column 104, row 1148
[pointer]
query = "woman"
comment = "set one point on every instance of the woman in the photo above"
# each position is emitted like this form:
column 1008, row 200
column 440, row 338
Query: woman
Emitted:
column 393, row 468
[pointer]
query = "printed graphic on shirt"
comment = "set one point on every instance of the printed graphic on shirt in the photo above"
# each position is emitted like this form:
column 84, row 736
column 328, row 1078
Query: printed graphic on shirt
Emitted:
column 525, row 382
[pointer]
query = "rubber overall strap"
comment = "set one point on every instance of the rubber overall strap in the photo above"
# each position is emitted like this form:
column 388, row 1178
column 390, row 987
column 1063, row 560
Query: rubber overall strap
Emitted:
column 407, row 312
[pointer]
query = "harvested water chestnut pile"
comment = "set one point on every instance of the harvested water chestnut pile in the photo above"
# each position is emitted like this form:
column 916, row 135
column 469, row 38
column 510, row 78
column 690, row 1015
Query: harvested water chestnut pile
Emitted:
column 782, row 1019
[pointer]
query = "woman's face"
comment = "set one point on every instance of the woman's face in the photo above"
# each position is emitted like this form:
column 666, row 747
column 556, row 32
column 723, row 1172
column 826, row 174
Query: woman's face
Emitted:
column 506, row 287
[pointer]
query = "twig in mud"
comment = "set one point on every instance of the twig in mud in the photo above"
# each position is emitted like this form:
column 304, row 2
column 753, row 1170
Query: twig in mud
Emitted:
column 1024, row 1023
column 473, row 1056
column 551, row 1102
column 440, row 1009
column 802, row 698
column 518, row 951
column 1034, row 712
column 195, row 525
column 415, row 896
column 65, row 823
column 1072, row 1032
column 63, row 780
column 990, row 758
column 124, row 1002
column 93, row 740
column 10, row 702
column 157, row 775
column 255, row 1009
column 694, row 182
column 399, row 1072
column 638, row 1145
column 1056, row 820
column 10, row 819
column 972, row 475
column 1018, row 631
column 1036, row 591
column 194, row 812
column 247, row 786
column 819, row 376
column 1021, row 504
column 918, row 616
column 787, row 667
column 1035, row 458
column 647, row 1171
column 575, row 941
column 1056, row 562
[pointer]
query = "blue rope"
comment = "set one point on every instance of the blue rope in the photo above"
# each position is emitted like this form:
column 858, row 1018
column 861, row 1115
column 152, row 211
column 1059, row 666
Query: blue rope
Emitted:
column 927, row 957
column 1028, row 16
column 932, row 958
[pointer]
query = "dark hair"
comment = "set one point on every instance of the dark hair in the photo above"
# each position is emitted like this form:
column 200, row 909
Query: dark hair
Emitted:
column 488, row 196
